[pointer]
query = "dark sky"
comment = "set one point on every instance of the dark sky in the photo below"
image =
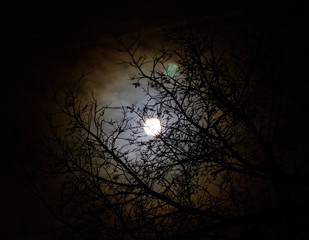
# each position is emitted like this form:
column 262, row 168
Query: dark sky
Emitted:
column 51, row 46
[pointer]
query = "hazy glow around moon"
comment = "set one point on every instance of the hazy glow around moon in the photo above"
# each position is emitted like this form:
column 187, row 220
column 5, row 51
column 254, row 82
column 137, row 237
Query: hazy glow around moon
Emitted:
column 152, row 126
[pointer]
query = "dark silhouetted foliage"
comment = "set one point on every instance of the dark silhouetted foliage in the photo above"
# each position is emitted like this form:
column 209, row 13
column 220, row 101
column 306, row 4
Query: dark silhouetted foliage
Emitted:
column 224, row 165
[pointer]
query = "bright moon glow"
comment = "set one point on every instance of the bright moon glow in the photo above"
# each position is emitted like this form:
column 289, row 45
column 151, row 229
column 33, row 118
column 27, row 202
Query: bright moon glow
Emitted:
column 152, row 126
column 171, row 70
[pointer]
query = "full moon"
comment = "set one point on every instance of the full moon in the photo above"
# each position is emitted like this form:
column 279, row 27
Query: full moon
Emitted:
column 152, row 127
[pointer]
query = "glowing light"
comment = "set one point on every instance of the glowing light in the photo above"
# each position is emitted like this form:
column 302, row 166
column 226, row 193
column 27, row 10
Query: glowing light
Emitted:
column 152, row 127
column 171, row 70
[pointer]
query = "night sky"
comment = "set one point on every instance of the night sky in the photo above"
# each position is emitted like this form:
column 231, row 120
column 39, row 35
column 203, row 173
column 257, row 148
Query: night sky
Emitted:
column 49, row 48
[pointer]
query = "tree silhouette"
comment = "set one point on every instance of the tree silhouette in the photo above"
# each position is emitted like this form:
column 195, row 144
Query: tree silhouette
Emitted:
column 219, row 169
